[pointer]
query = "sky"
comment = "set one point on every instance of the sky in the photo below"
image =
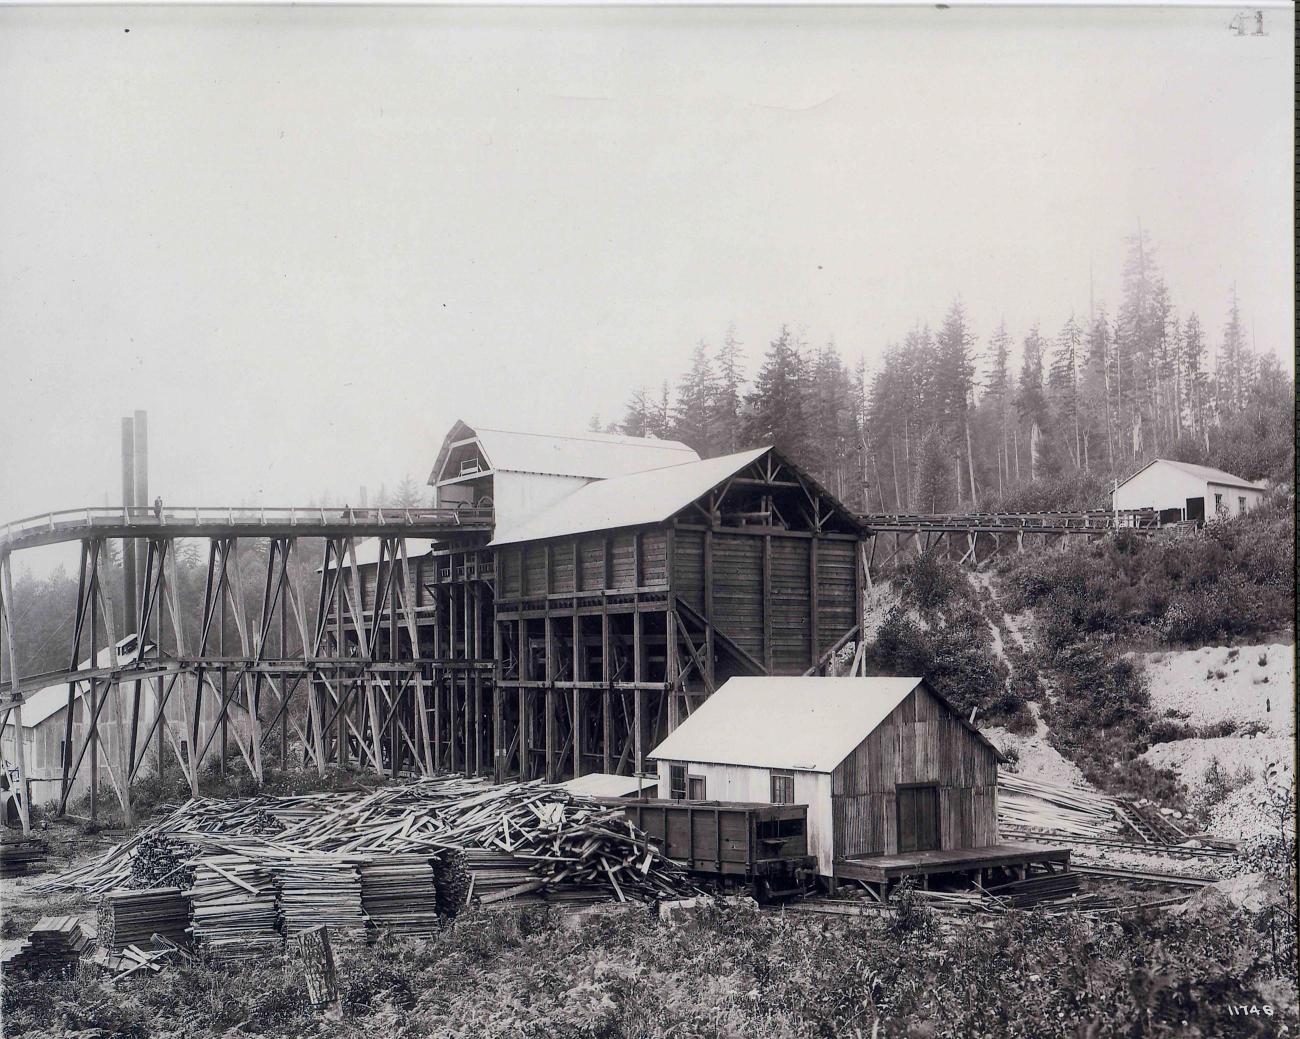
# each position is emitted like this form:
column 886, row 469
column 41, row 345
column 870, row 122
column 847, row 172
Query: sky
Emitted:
column 307, row 240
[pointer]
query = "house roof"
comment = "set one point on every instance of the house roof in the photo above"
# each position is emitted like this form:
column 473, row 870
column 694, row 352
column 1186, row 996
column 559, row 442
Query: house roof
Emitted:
column 1201, row 472
column 805, row 724
column 51, row 699
column 592, row 456
column 624, row 501
column 605, row 784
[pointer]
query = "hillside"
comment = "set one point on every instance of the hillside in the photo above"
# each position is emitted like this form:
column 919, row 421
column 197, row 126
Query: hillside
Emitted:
column 1159, row 667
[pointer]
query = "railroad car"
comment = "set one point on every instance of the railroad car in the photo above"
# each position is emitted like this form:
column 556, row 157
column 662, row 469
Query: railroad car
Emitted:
column 728, row 844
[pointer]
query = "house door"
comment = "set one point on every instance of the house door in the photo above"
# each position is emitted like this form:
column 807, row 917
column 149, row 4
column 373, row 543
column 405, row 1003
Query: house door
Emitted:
column 918, row 818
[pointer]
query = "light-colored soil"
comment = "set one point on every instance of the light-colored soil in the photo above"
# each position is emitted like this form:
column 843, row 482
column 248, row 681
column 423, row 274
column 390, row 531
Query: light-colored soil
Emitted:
column 1220, row 683
column 1038, row 760
column 1190, row 758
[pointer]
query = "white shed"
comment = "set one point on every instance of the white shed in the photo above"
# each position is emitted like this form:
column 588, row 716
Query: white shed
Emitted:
column 885, row 765
column 1181, row 490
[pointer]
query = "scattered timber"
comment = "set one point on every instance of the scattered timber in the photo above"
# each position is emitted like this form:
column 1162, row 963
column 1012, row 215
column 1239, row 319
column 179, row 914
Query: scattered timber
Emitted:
column 127, row 917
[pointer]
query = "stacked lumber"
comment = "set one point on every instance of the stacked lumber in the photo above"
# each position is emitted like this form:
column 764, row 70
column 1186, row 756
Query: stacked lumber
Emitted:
column 544, row 837
column 128, row 917
column 1036, row 889
column 160, row 859
column 397, row 893
column 319, row 890
column 56, row 943
column 18, row 856
column 1031, row 806
column 232, row 905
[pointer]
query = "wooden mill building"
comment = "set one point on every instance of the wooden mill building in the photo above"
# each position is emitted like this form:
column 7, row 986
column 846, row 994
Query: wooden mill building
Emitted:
column 626, row 579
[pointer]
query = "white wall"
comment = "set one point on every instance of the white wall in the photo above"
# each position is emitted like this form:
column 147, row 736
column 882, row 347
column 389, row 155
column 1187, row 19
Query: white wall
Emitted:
column 1231, row 499
column 745, row 783
column 1159, row 487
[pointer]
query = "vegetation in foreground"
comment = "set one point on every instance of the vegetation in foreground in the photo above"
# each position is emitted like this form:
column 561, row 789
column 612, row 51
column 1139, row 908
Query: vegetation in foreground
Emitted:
column 725, row 972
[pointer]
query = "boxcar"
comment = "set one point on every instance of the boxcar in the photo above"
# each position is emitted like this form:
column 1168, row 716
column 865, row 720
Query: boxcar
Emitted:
column 731, row 842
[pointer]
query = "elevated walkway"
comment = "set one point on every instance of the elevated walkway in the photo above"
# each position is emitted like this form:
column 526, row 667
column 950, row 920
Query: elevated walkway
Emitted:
column 199, row 522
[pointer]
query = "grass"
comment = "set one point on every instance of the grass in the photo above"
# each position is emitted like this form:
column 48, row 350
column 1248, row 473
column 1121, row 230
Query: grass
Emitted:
column 720, row 972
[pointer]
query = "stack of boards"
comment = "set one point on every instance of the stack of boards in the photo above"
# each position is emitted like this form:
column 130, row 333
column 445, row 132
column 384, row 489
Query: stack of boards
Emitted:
column 129, row 917
column 56, row 943
column 398, row 894
column 233, row 907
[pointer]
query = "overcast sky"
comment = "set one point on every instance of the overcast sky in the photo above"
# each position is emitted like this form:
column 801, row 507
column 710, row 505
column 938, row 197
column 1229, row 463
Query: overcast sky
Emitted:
column 308, row 240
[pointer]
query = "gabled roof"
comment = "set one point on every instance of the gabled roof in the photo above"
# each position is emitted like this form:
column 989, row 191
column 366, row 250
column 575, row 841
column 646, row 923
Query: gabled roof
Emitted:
column 1201, row 472
column 592, row 456
column 53, row 698
column 804, row 724
column 625, row 501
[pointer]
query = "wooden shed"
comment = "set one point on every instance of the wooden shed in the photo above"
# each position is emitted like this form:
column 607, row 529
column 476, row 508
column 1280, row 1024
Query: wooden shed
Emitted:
column 886, row 765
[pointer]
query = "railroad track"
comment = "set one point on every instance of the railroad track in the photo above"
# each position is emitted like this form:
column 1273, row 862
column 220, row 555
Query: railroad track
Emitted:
column 1177, row 851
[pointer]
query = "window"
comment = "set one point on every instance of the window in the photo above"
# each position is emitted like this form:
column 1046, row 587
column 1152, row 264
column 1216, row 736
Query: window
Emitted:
column 1220, row 509
column 783, row 788
column 697, row 788
column 677, row 782
column 1241, row 505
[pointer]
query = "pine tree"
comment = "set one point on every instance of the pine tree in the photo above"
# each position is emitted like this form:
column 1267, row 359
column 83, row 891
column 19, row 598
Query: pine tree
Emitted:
column 696, row 408
column 775, row 407
column 726, row 420
column 407, row 495
column 1031, row 402
column 1063, row 382
column 998, row 390
column 636, row 419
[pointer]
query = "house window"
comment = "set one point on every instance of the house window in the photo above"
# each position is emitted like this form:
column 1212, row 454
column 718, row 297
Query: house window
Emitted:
column 677, row 782
column 1241, row 505
column 697, row 788
column 783, row 788
column 1220, row 508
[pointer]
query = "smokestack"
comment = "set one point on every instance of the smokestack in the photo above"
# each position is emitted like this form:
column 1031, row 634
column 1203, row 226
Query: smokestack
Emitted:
column 128, row 544
column 142, row 458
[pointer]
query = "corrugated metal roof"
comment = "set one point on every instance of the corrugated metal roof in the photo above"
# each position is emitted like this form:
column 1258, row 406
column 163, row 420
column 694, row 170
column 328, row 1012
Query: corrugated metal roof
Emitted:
column 53, row 698
column 594, row 456
column 1201, row 472
column 605, row 784
column 625, row 501
column 804, row 724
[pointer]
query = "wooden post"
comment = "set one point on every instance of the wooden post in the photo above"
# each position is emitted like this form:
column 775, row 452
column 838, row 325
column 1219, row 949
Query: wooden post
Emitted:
column 606, row 694
column 11, row 647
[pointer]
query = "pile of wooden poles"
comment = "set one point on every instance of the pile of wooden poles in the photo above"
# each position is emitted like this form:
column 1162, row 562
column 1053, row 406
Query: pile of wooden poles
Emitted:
column 1029, row 805
column 400, row 857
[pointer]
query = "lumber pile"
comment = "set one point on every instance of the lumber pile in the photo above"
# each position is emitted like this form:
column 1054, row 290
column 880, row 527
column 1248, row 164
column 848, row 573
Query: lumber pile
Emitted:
column 1036, row 889
column 319, row 890
column 232, row 904
column 129, row 917
column 56, row 943
column 1029, row 805
column 534, row 831
column 160, row 859
column 398, row 894
column 19, row 856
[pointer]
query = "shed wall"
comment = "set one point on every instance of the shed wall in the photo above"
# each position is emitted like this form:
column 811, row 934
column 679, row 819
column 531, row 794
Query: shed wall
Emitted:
column 920, row 742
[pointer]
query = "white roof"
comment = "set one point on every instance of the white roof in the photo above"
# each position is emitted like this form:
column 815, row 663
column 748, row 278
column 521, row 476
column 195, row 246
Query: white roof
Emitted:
column 594, row 456
column 53, row 698
column 368, row 551
column 809, row 724
column 624, row 501
column 605, row 784
column 1201, row 472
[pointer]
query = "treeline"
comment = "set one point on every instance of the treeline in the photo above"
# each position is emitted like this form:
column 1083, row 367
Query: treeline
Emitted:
column 1043, row 420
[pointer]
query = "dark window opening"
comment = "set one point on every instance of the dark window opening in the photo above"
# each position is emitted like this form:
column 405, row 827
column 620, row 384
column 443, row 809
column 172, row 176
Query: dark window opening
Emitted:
column 782, row 788
column 697, row 788
column 780, row 829
column 677, row 782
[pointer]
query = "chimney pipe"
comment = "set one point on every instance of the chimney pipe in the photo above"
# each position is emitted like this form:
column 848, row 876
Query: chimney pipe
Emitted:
column 128, row 544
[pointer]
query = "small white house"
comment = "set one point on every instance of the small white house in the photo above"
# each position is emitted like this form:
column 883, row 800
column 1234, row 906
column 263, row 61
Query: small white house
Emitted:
column 886, row 766
column 1181, row 490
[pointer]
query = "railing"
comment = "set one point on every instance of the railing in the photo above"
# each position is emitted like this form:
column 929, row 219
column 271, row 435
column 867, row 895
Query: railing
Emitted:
column 1092, row 520
column 147, row 518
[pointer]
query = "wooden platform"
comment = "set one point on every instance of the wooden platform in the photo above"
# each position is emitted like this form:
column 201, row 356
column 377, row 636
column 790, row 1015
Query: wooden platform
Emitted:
column 882, row 869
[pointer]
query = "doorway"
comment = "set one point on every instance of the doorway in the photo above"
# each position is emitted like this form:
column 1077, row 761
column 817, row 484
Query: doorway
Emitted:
column 918, row 818
column 1196, row 510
